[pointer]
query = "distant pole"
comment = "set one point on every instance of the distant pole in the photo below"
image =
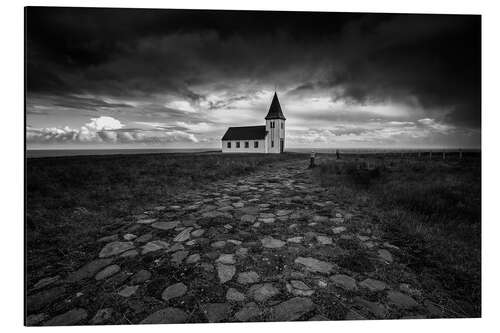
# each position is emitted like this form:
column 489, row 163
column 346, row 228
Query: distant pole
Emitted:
column 338, row 154
column 419, row 154
column 430, row 155
column 460, row 153
column 311, row 164
column 444, row 155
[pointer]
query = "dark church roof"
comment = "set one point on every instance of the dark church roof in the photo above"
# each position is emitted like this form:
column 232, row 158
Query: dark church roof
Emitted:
column 275, row 109
column 245, row 133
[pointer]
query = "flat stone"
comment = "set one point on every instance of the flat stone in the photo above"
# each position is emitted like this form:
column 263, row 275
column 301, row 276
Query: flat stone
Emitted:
column 129, row 237
column 218, row 244
column 115, row 248
column 35, row 319
column 401, row 300
column 174, row 291
column 320, row 219
column 267, row 220
column 377, row 309
column 248, row 277
column 324, row 240
column 227, row 259
column 166, row 225
column 248, row 312
column 385, row 255
column 234, row 241
column 140, row 277
column 179, row 256
column 390, row 246
column 338, row 230
column 72, row 317
column 183, row 235
column 407, row 289
column 128, row 291
column 363, row 238
column 272, row 243
column 234, row 295
column 263, row 292
column 344, row 281
column 144, row 238
column 248, row 218
column 297, row 284
column 194, row 258
column 146, row 221
column 89, row 270
column 39, row 300
column 198, row 233
column 283, row 212
column 107, row 239
column 299, row 288
column 373, row 285
column 292, row 309
column 176, row 247
column 296, row 240
column 242, row 252
column 102, row 316
column 216, row 312
column 315, row 265
column 154, row 246
column 46, row 282
column 166, row 316
column 107, row 272
column 130, row 254
column 225, row 272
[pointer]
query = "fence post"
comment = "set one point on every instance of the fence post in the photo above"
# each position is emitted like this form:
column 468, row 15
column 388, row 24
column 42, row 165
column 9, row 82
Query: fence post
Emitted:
column 430, row 155
column 311, row 164
column 419, row 155
column 444, row 155
column 460, row 153
column 338, row 154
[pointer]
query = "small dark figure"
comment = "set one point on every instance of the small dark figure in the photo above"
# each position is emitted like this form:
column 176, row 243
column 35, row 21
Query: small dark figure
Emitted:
column 338, row 154
column 311, row 164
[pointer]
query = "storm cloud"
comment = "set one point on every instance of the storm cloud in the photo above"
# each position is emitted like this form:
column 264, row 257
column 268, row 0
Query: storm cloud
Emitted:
column 342, row 77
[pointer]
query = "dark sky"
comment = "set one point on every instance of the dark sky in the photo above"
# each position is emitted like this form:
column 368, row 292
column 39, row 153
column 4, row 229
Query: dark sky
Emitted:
column 179, row 78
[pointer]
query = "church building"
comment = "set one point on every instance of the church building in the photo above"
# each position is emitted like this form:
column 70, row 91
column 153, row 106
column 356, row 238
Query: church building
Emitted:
column 269, row 138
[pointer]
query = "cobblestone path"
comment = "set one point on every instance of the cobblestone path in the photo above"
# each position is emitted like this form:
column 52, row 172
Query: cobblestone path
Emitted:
column 270, row 246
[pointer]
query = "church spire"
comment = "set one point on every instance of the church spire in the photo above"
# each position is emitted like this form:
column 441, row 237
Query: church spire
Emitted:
column 275, row 109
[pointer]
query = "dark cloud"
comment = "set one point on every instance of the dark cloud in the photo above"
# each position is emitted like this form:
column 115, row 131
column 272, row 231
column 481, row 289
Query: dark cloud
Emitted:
column 432, row 62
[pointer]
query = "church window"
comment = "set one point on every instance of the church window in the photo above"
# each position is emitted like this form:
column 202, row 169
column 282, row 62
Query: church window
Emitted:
column 256, row 144
column 272, row 124
column 229, row 145
column 281, row 125
column 246, row 144
column 272, row 143
column 238, row 144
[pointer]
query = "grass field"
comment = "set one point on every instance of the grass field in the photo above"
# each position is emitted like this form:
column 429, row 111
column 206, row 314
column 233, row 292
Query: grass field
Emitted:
column 431, row 209
column 71, row 201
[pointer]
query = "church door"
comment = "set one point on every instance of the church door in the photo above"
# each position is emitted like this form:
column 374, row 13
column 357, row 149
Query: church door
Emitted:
column 282, row 145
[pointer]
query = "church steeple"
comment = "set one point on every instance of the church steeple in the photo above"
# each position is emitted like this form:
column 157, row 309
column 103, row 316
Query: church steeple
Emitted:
column 275, row 109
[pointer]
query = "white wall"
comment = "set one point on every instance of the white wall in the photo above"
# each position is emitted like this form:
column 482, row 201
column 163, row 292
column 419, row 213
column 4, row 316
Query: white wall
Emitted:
column 242, row 149
column 275, row 134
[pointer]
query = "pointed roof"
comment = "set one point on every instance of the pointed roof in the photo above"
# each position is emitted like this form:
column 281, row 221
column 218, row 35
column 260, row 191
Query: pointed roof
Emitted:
column 275, row 109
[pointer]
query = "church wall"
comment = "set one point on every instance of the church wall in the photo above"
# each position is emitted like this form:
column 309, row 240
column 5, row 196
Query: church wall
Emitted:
column 242, row 149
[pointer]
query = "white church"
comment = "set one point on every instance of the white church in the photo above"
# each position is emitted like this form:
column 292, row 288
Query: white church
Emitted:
column 268, row 139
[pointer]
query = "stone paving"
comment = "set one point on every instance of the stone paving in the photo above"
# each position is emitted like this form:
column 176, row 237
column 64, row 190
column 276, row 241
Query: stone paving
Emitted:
column 271, row 246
